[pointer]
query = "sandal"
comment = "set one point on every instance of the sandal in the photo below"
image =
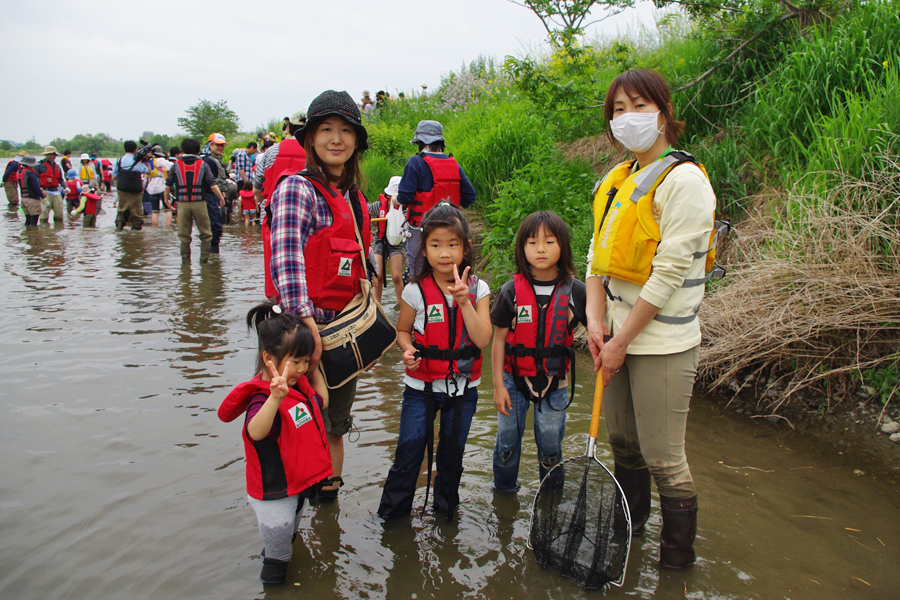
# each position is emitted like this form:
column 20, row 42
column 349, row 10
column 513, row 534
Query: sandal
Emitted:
column 330, row 494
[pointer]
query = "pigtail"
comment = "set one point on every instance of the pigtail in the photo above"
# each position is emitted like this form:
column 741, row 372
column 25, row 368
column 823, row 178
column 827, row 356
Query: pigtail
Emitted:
column 280, row 333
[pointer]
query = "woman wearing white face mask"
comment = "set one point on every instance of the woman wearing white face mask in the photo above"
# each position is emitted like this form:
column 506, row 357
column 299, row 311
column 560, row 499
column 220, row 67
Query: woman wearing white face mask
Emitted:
column 653, row 218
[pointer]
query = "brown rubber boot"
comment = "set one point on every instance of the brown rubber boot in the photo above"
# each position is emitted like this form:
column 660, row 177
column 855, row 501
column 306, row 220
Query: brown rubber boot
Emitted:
column 676, row 540
column 636, row 487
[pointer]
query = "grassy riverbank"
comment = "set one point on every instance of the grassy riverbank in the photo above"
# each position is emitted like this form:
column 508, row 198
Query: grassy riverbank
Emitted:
column 800, row 135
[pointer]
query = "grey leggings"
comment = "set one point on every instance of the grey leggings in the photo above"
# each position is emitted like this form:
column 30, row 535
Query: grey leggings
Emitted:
column 645, row 407
column 278, row 521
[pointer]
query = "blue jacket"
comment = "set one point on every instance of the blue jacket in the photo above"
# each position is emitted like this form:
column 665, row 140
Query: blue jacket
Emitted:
column 11, row 168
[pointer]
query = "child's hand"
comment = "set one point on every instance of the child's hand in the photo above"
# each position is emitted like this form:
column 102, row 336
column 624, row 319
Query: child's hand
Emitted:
column 502, row 402
column 278, row 387
column 410, row 360
column 460, row 288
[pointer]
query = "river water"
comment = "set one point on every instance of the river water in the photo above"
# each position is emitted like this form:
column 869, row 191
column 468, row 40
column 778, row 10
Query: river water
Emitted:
column 119, row 481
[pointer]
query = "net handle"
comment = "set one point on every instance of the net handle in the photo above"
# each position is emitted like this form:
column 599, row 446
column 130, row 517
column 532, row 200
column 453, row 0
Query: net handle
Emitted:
column 598, row 404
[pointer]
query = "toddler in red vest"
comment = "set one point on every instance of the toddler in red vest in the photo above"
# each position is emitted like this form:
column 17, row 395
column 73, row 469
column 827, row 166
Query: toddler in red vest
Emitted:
column 284, row 435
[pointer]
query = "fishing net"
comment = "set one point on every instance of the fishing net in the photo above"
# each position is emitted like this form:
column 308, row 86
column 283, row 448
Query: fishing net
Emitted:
column 582, row 528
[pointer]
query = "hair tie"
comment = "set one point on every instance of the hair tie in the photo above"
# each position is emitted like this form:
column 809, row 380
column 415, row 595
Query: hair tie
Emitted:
column 276, row 309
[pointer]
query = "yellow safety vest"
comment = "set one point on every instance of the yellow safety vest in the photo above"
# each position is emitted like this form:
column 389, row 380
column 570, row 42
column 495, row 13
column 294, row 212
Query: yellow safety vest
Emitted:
column 87, row 173
column 626, row 234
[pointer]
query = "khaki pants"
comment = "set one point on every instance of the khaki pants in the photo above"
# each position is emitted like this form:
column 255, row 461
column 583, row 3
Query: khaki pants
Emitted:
column 12, row 192
column 130, row 209
column 645, row 407
column 32, row 206
column 54, row 203
column 89, row 220
column 188, row 214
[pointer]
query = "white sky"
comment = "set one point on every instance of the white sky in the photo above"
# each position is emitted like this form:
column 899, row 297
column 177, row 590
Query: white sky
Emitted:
column 121, row 67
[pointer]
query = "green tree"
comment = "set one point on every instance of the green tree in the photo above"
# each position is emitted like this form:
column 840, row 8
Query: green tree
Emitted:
column 4, row 145
column 564, row 20
column 207, row 117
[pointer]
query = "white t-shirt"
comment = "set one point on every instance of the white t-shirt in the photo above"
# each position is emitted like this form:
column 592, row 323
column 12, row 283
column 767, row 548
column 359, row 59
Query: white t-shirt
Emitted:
column 412, row 295
column 156, row 185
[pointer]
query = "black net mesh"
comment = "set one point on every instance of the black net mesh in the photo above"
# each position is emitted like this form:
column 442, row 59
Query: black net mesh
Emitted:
column 581, row 527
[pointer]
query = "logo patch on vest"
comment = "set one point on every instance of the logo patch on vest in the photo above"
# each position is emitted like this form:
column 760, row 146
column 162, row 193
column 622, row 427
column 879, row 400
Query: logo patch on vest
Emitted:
column 435, row 313
column 344, row 267
column 523, row 314
column 301, row 415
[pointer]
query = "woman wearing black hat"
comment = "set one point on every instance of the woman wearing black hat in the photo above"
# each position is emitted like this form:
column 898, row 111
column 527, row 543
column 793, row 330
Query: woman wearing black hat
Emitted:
column 318, row 219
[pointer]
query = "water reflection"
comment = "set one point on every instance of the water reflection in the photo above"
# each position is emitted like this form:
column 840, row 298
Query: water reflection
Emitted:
column 120, row 482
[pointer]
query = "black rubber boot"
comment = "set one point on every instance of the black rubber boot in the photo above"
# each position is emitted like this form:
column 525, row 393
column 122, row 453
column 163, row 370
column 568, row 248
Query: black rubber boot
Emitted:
column 676, row 540
column 636, row 487
column 273, row 571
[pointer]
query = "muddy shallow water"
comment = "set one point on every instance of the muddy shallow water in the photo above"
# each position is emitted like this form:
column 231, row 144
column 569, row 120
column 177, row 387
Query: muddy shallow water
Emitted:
column 118, row 480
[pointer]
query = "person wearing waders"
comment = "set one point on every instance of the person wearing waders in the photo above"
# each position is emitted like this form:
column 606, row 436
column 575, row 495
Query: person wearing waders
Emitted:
column 53, row 183
column 32, row 194
column 192, row 182
column 430, row 176
column 216, row 206
column 129, row 189
column 11, row 180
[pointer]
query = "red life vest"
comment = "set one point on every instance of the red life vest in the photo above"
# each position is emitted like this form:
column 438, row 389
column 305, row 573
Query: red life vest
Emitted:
column 73, row 192
column 332, row 255
column 445, row 172
column 107, row 173
column 445, row 346
column 539, row 339
column 290, row 160
column 383, row 208
column 90, row 204
column 51, row 174
column 188, row 186
column 299, row 458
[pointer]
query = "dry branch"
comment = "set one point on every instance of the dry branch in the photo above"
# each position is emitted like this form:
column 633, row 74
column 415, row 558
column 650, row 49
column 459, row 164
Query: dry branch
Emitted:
column 813, row 295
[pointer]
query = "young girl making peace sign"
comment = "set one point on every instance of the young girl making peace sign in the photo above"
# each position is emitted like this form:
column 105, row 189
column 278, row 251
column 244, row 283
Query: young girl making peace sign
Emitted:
column 444, row 323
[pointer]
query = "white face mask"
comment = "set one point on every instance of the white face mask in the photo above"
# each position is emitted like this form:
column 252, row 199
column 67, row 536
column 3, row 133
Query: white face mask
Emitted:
column 636, row 131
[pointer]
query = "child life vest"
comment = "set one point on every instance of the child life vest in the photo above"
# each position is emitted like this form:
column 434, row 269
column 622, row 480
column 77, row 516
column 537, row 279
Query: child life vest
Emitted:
column 627, row 235
column 539, row 341
column 384, row 205
column 72, row 191
column 107, row 173
column 290, row 160
column 188, row 185
column 445, row 172
column 445, row 346
column 89, row 201
column 51, row 174
column 333, row 256
column 299, row 458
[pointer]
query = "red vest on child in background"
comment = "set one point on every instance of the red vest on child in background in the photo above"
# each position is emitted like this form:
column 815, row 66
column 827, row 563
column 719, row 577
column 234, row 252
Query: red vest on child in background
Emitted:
column 303, row 458
column 445, row 172
column 445, row 346
column 72, row 192
column 383, row 208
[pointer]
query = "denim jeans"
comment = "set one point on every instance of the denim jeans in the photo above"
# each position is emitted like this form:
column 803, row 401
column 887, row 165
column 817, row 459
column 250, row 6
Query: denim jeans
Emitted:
column 400, row 486
column 549, row 428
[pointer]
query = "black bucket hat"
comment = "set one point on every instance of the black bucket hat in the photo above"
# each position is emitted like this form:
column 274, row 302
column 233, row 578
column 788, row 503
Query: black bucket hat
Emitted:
column 341, row 104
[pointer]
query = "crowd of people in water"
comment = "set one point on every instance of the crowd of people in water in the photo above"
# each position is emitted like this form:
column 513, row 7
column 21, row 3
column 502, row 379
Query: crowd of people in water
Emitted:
column 653, row 232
